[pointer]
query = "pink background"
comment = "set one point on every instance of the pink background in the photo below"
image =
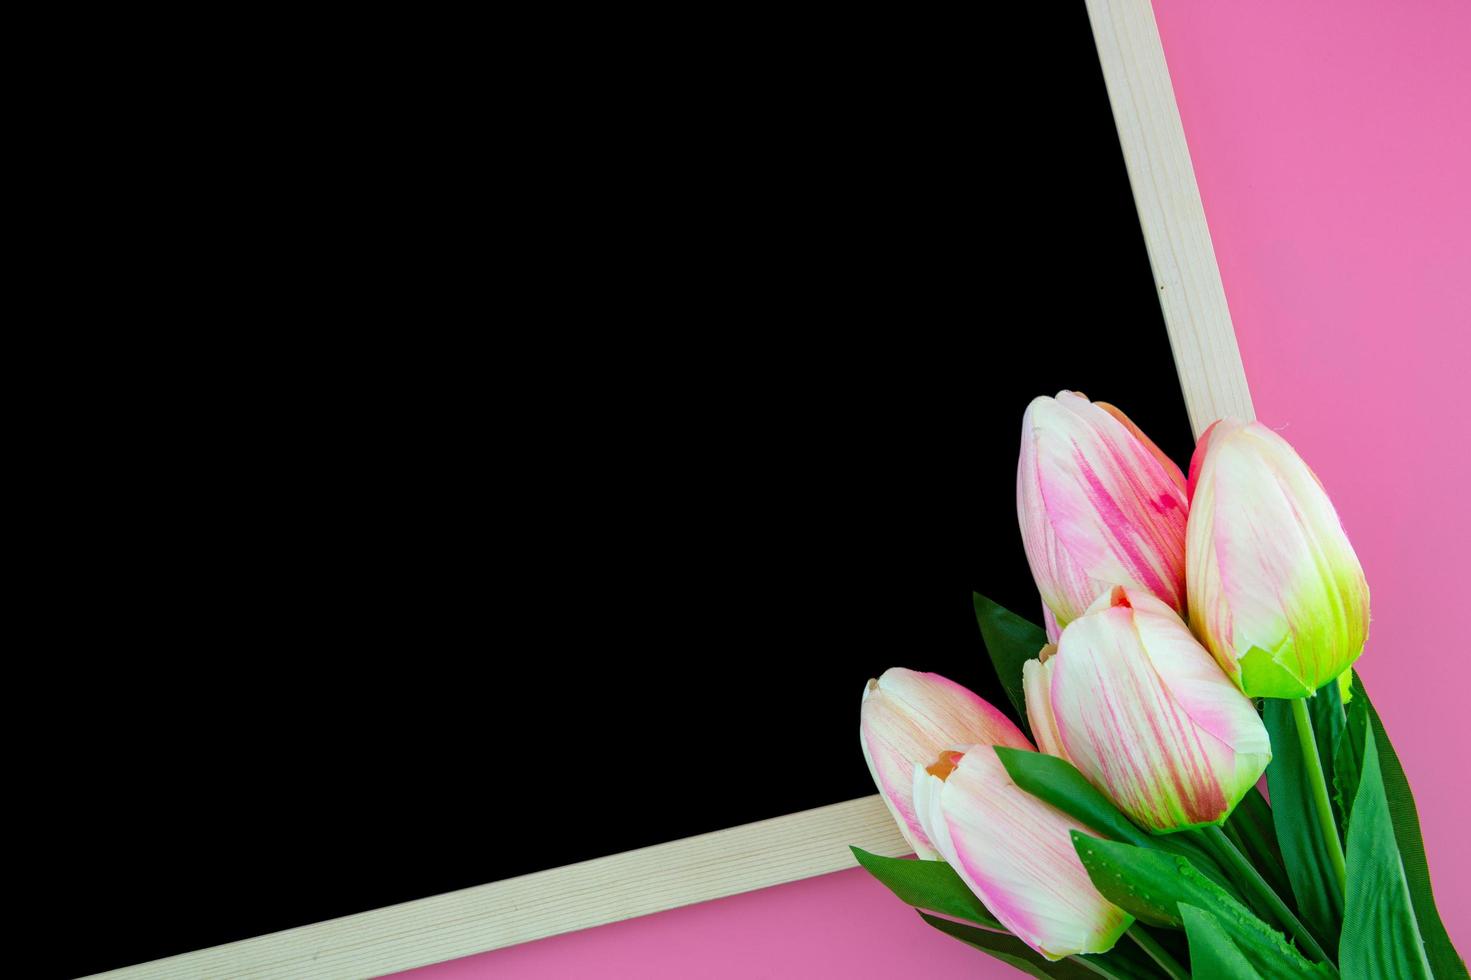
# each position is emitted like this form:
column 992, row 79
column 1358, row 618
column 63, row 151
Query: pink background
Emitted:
column 1332, row 141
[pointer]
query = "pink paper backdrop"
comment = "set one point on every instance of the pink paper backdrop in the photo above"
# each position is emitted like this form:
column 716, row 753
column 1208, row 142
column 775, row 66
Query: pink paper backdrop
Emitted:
column 1332, row 141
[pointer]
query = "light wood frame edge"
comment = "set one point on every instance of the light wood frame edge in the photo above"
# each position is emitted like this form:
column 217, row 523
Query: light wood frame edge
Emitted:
column 813, row 842
column 503, row 913
column 1186, row 276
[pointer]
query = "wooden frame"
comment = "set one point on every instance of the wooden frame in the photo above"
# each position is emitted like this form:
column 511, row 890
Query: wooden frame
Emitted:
column 813, row 842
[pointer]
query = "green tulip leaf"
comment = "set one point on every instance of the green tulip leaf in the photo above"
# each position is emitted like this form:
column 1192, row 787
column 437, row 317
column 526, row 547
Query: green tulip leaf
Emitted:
column 1380, row 935
column 1348, row 760
column 1153, row 886
column 1212, row 954
column 932, row 885
column 1058, row 782
column 1147, row 884
column 1011, row 641
column 1326, row 710
column 1119, row 963
column 1309, row 869
column 1444, row 960
column 1250, row 828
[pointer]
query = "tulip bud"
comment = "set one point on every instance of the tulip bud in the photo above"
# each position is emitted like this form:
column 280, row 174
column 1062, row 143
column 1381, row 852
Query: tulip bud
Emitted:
column 1099, row 506
column 908, row 718
column 1016, row 853
column 1276, row 591
column 1145, row 713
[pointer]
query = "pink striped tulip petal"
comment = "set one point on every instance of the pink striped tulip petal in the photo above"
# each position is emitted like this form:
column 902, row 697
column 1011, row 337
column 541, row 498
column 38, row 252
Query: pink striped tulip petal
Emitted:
column 1276, row 591
column 1016, row 853
column 908, row 718
column 1049, row 623
column 1037, row 686
column 1148, row 716
column 1099, row 506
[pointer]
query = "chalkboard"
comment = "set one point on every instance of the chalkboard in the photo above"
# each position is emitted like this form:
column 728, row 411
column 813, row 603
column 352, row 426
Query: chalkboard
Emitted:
column 726, row 425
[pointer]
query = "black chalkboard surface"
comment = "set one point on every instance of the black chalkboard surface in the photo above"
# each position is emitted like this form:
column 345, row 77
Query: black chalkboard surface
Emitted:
column 724, row 424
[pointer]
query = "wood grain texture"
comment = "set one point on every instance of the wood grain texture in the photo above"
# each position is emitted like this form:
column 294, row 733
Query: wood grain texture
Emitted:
column 652, row 879
column 1170, row 211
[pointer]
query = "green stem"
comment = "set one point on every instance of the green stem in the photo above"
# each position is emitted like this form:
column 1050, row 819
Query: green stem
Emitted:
column 1314, row 767
column 1252, row 880
column 1158, row 953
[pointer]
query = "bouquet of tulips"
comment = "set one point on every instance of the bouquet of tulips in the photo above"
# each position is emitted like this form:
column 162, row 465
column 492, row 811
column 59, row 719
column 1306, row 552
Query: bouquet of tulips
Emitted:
column 1198, row 633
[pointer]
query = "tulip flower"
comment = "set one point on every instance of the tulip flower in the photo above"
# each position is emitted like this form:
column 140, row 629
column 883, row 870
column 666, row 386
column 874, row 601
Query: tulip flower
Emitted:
column 908, row 718
column 1099, row 506
column 1276, row 591
column 1016, row 853
column 1146, row 714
